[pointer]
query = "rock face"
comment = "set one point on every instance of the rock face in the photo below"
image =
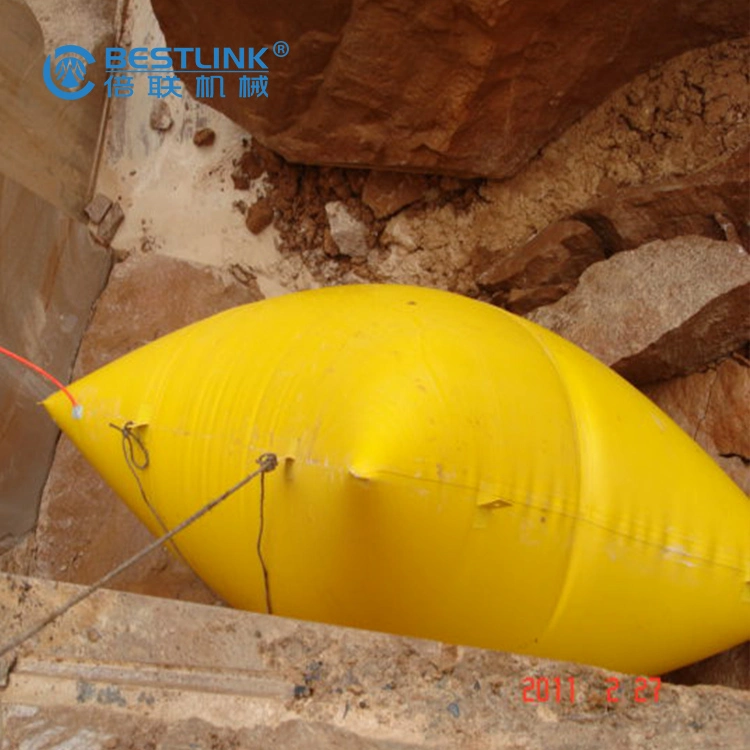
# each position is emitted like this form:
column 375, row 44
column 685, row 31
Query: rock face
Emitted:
column 50, row 275
column 713, row 407
column 470, row 87
column 544, row 270
column 47, row 145
column 667, row 308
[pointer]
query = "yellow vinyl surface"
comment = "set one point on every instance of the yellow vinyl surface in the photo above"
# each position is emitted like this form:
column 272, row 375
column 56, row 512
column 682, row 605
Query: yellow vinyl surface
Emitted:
column 447, row 470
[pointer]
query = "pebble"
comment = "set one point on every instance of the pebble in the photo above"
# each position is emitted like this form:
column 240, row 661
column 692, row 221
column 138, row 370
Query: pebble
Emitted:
column 204, row 137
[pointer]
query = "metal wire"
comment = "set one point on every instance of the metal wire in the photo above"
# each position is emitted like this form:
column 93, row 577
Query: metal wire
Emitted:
column 267, row 463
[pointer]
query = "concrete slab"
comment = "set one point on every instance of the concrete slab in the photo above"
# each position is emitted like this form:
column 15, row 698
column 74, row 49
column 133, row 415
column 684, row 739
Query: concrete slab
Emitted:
column 129, row 671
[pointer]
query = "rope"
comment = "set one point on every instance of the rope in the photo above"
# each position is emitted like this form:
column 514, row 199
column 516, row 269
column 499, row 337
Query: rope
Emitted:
column 129, row 437
column 259, row 544
column 267, row 463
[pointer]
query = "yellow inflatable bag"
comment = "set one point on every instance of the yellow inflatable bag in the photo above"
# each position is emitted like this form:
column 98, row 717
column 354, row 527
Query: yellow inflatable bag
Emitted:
column 446, row 470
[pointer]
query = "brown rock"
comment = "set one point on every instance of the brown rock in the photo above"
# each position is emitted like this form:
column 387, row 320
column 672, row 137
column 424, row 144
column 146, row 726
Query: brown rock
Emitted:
column 97, row 208
column 109, row 225
column 713, row 407
column 258, row 160
column 469, row 87
column 204, row 137
column 523, row 301
column 388, row 192
column 259, row 216
column 727, row 413
column 664, row 309
column 550, row 265
column 240, row 180
column 84, row 530
column 712, row 203
column 160, row 118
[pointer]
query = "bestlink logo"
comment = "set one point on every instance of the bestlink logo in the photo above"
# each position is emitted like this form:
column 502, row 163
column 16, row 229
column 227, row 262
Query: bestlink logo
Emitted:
column 222, row 59
column 70, row 61
column 69, row 78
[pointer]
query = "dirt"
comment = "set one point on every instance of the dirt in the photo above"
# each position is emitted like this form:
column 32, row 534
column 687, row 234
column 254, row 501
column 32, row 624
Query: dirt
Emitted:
column 679, row 118
column 295, row 197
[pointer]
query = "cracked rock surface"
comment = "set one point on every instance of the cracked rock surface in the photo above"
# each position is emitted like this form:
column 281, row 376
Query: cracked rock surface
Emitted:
column 713, row 407
column 465, row 87
column 664, row 309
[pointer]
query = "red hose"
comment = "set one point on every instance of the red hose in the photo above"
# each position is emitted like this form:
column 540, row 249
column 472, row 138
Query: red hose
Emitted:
column 40, row 371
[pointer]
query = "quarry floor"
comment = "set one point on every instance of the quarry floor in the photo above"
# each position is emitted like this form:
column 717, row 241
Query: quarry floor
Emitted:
column 123, row 671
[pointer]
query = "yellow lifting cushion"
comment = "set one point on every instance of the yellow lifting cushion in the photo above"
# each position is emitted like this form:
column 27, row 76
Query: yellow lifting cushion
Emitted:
column 447, row 470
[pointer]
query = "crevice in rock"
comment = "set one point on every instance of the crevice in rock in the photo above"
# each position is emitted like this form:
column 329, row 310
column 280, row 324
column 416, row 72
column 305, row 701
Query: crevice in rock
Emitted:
column 706, row 406
column 605, row 230
column 745, row 459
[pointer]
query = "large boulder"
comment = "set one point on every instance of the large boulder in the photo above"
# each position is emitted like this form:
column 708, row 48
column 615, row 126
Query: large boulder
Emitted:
column 471, row 87
column 711, row 203
column 667, row 308
column 713, row 407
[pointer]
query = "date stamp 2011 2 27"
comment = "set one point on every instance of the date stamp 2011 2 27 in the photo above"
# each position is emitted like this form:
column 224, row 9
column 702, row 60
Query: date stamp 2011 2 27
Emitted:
column 563, row 690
